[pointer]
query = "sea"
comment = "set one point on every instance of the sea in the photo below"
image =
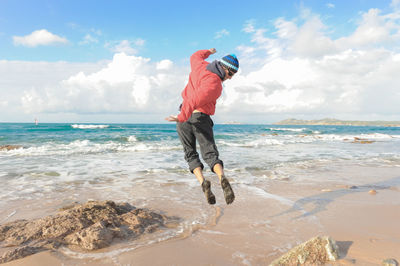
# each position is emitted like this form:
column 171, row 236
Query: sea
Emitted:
column 61, row 163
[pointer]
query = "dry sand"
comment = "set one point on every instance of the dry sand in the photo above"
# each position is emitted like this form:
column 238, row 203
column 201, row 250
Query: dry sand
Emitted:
column 259, row 227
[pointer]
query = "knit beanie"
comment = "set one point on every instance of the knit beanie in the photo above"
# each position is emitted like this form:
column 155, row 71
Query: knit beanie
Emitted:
column 230, row 62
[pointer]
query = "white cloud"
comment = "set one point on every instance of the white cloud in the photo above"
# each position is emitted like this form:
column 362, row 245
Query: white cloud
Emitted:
column 39, row 37
column 126, row 46
column 164, row 65
column 395, row 4
column 139, row 42
column 249, row 26
column 298, row 69
column 305, row 71
column 3, row 103
column 38, row 76
column 373, row 29
column 88, row 39
column 330, row 5
column 128, row 84
column 221, row 33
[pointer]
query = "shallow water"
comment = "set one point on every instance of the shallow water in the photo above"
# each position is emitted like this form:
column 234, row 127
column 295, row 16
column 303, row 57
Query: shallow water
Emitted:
column 112, row 158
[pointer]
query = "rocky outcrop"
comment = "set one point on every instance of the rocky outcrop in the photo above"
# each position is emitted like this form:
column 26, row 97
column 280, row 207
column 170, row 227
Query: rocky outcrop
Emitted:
column 316, row 251
column 9, row 147
column 88, row 226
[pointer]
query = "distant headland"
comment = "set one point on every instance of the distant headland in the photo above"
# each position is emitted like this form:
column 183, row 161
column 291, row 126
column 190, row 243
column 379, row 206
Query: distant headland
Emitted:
column 337, row 122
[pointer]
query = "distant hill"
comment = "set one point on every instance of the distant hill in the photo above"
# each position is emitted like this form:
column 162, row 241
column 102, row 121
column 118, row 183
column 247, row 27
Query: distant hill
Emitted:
column 332, row 121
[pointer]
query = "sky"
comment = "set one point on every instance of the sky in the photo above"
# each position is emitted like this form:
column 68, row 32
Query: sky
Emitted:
column 128, row 61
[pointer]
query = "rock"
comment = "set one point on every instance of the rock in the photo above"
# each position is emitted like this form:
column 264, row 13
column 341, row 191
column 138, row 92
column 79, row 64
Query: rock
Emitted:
column 316, row 251
column 9, row 147
column 362, row 141
column 88, row 226
column 372, row 192
column 366, row 141
column 18, row 253
column 390, row 262
column 94, row 237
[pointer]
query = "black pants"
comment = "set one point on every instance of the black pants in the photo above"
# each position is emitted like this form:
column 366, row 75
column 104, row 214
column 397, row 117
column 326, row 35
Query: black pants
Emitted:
column 198, row 127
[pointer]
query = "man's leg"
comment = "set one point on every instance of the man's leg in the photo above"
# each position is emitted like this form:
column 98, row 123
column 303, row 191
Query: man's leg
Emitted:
column 226, row 187
column 198, row 172
column 188, row 140
column 219, row 171
column 204, row 134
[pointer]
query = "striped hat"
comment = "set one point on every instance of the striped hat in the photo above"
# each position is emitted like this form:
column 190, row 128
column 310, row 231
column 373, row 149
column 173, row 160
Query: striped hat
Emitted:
column 230, row 62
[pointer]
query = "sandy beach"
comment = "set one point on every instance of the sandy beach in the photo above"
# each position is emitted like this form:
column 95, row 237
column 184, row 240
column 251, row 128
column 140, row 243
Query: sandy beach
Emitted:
column 262, row 224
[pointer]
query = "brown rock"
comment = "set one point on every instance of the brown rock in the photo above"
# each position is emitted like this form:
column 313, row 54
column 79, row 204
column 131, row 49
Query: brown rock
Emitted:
column 366, row 141
column 362, row 141
column 91, row 238
column 18, row 253
column 9, row 147
column 89, row 226
column 316, row 251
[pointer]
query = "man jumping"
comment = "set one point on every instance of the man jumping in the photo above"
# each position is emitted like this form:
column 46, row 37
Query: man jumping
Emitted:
column 194, row 122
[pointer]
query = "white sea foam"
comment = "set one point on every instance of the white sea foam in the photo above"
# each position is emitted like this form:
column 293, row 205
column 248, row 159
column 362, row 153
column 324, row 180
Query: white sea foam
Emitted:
column 372, row 136
column 288, row 129
column 262, row 193
column 132, row 139
column 88, row 147
column 9, row 215
column 378, row 136
column 84, row 126
column 254, row 143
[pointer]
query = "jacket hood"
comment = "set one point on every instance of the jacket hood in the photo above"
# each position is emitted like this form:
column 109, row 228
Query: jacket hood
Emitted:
column 216, row 68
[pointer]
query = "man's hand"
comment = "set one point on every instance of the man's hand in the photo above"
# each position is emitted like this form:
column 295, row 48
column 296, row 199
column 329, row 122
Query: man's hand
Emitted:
column 212, row 50
column 172, row 118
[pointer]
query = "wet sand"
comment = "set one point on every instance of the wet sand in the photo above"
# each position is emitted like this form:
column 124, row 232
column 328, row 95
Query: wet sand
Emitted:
column 265, row 221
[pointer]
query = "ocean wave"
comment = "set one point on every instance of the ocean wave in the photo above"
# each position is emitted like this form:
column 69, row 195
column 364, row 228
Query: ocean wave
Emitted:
column 89, row 147
column 251, row 144
column 289, row 129
column 84, row 126
column 371, row 136
column 132, row 139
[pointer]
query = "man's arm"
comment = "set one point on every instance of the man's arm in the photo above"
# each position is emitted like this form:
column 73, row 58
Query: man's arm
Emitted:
column 200, row 56
column 172, row 118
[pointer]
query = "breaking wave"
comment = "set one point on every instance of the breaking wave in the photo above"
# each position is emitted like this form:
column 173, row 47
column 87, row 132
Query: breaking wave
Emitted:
column 84, row 126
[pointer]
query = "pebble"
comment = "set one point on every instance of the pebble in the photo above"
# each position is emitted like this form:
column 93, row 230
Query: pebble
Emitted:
column 372, row 192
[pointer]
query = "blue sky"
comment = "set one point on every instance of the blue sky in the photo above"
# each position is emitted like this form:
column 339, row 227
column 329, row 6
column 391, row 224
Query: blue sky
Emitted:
column 80, row 61
column 170, row 29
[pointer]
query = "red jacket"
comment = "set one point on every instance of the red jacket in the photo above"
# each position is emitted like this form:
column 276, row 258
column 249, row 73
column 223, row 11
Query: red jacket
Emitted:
column 203, row 89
